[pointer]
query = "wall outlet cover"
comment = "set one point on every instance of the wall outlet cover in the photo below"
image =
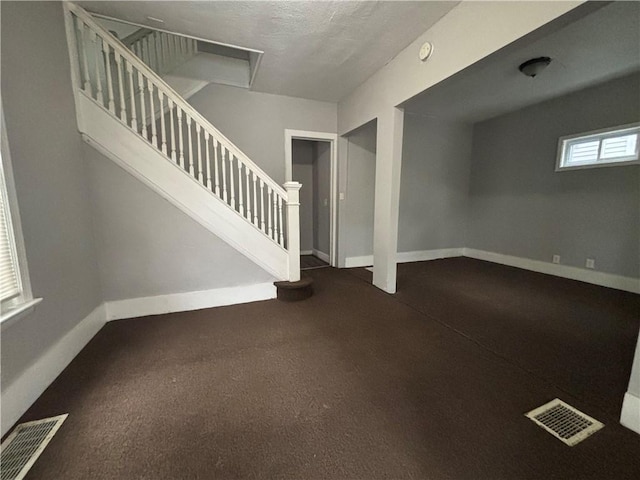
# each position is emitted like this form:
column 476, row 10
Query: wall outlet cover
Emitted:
column 556, row 259
column 591, row 263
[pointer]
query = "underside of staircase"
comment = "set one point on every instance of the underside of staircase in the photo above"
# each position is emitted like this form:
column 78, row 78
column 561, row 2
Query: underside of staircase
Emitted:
column 135, row 118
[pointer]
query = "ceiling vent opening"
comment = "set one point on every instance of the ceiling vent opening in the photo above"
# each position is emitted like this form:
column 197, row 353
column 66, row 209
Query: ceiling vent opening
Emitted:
column 564, row 422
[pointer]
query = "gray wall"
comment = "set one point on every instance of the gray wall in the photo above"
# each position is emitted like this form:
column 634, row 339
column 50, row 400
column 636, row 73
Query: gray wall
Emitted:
column 51, row 181
column 148, row 247
column 434, row 189
column 256, row 121
column 520, row 206
column 321, row 194
column 303, row 155
column 357, row 226
column 312, row 167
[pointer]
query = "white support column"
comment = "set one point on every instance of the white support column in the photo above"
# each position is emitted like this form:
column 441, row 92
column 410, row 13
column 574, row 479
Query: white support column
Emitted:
column 387, row 198
column 293, row 229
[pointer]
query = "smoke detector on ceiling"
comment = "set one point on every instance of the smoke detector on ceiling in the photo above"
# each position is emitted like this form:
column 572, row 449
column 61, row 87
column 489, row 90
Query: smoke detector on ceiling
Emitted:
column 425, row 51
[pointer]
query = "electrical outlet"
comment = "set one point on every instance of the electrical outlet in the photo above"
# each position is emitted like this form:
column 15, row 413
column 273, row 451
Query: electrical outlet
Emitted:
column 591, row 263
column 341, row 195
column 556, row 259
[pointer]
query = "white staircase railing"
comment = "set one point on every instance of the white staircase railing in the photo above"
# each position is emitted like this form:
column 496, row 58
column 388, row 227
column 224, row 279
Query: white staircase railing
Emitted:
column 161, row 51
column 112, row 76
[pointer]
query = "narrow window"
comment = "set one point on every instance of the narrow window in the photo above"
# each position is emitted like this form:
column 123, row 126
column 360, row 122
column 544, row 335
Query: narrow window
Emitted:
column 613, row 146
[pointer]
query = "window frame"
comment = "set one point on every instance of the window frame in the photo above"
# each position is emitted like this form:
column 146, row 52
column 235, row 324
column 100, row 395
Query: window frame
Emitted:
column 565, row 142
column 19, row 305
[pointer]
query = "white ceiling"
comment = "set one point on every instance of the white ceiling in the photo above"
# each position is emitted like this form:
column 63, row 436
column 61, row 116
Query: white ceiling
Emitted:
column 320, row 50
column 599, row 46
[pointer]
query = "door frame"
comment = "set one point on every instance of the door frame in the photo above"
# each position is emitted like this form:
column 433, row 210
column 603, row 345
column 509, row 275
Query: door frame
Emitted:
column 332, row 138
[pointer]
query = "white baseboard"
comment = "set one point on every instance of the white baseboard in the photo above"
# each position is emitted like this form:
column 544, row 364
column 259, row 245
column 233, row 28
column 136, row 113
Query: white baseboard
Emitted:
column 321, row 255
column 20, row 395
column 630, row 416
column 181, row 302
column 423, row 255
column 364, row 261
column 589, row 276
column 306, row 252
column 405, row 257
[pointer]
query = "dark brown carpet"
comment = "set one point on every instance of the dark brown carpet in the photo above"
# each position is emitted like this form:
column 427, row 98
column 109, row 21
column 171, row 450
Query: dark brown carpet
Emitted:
column 350, row 383
column 311, row 261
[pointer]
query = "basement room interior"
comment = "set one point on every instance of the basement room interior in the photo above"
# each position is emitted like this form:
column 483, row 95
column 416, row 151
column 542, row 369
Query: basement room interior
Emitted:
column 262, row 240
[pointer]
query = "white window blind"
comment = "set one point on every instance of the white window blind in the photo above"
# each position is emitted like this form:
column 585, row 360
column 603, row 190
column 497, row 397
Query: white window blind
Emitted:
column 605, row 147
column 10, row 284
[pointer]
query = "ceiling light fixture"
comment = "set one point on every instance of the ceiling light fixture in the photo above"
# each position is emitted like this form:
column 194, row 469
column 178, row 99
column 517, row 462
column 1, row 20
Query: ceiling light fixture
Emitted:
column 533, row 67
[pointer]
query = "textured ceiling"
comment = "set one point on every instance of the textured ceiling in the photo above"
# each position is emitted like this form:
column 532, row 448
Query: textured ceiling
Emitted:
column 313, row 49
column 599, row 46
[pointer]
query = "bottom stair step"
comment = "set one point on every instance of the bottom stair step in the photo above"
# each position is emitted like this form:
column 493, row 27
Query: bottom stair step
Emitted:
column 295, row 291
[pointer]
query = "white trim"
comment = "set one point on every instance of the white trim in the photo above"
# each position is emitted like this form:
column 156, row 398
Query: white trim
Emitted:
column 619, row 282
column 23, row 391
column 11, row 316
column 406, row 257
column 362, row 261
column 630, row 416
column 321, row 255
column 182, row 302
column 306, row 252
column 423, row 255
column 289, row 136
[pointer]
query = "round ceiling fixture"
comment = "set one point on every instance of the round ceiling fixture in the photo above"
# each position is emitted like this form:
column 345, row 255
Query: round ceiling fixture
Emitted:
column 425, row 51
column 533, row 67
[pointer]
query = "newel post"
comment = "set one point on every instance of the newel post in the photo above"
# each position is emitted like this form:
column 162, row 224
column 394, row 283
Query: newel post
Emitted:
column 293, row 229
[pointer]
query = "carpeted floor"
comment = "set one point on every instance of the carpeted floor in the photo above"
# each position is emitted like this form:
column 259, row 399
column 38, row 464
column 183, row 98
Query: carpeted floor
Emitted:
column 351, row 383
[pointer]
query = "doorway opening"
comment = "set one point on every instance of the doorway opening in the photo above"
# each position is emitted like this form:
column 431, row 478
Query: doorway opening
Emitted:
column 310, row 159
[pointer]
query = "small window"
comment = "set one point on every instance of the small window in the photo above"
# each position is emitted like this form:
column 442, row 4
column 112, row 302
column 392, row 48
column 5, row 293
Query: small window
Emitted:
column 16, row 299
column 11, row 285
column 613, row 146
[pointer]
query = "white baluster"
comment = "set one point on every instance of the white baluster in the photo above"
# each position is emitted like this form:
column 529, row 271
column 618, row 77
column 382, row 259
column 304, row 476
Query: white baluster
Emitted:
column 224, row 173
column 85, row 64
column 280, row 220
column 143, row 108
column 163, row 130
column 149, row 61
column 132, row 94
column 248, row 202
column 240, row 192
column 152, row 114
column 232, row 179
column 123, row 107
column 98, row 55
column 216, row 167
column 191, row 171
column 264, row 229
column 255, row 201
column 207, row 158
column 156, row 51
column 107, row 58
column 200, row 174
column 180, row 140
column 269, row 212
column 173, row 133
